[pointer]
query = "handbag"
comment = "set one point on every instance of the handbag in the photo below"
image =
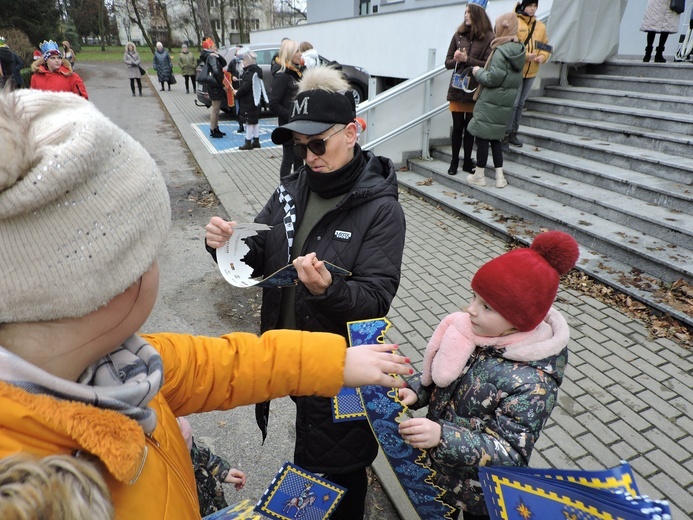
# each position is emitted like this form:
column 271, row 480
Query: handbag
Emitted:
column 463, row 80
column 172, row 79
column 205, row 76
column 142, row 71
column 678, row 6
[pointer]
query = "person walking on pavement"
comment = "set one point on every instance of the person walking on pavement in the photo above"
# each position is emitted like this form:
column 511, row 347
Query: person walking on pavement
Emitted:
column 658, row 18
column 52, row 72
column 216, row 92
column 10, row 66
column 187, row 64
column 512, row 340
column 132, row 59
column 532, row 33
column 163, row 66
column 341, row 207
column 76, row 376
column 286, row 70
column 499, row 81
column 470, row 46
column 249, row 96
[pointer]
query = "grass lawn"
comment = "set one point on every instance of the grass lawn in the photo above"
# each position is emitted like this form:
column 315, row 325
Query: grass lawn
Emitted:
column 115, row 54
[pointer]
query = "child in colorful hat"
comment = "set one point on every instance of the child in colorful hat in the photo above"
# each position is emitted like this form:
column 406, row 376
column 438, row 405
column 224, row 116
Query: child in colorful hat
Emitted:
column 53, row 72
column 491, row 374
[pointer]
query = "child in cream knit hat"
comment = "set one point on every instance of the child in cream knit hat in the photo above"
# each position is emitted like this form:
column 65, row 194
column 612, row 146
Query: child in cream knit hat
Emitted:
column 82, row 219
column 491, row 374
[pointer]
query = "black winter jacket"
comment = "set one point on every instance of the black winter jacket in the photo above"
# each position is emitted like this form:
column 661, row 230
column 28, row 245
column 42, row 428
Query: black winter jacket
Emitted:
column 249, row 111
column 282, row 93
column 374, row 220
column 217, row 64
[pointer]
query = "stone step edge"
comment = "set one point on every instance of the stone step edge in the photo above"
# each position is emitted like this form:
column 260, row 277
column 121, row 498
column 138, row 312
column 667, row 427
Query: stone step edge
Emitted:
column 596, row 265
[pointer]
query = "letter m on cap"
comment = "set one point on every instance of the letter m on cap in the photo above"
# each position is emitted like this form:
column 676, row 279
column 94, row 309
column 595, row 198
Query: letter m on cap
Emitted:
column 301, row 108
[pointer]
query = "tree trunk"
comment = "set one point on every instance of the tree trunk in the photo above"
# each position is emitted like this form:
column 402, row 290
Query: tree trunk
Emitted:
column 205, row 22
column 140, row 24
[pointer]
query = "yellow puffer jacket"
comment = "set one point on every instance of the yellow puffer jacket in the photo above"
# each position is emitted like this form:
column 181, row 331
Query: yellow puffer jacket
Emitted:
column 539, row 35
column 151, row 476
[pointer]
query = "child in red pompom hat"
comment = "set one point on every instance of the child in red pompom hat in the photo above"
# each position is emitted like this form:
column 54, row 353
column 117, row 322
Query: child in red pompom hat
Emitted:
column 491, row 374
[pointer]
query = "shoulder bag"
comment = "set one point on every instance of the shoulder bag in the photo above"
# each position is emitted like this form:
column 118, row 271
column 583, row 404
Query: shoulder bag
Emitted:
column 142, row 71
column 205, row 76
column 678, row 6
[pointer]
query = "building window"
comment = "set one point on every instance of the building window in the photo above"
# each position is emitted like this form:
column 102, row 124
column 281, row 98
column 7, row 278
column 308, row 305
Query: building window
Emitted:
column 364, row 7
column 213, row 3
column 252, row 24
column 216, row 24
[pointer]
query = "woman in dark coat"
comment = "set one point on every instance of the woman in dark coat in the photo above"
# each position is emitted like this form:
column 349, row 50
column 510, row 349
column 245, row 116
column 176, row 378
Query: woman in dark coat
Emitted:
column 163, row 65
column 215, row 91
column 286, row 70
column 499, row 80
column 249, row 96
column 470, row 46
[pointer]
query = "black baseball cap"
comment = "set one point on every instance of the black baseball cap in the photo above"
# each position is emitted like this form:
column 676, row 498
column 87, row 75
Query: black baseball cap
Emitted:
column 315, row 111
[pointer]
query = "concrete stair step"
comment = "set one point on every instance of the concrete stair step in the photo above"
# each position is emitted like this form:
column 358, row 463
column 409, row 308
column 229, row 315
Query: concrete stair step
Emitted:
column 636, row 68
column 672, row 122
column 624, row 98
column 609, row 251
column 646, row 252
column 613, row 133
column 650, row 189
column 655, row 85
column 661, row 165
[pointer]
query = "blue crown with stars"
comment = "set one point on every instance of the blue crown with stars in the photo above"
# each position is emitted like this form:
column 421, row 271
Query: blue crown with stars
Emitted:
column 50, row 48
column 480, row 3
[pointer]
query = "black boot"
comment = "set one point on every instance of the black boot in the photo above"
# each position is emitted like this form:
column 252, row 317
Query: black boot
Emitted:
column 256, row 142
column 240, row 130
column 220, row 132
column 215, row 133
column 247, row 146
column 468, row 166
column 648, row 54
column 513, row 140
column 659, row 55
column 453, row 166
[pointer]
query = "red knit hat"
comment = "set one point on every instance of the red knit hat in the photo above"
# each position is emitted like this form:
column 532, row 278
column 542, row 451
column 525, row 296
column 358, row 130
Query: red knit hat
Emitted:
column 521, row 285
column 208, row 43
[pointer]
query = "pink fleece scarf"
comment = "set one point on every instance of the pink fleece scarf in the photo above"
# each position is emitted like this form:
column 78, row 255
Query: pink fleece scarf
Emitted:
column 453, row 342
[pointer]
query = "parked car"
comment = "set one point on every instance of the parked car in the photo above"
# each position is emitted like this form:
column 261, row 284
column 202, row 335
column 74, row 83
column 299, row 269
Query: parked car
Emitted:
column 356, row 76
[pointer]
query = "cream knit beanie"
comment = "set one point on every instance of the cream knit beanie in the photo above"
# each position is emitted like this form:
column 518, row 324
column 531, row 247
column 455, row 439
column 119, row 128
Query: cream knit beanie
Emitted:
column 84, row 209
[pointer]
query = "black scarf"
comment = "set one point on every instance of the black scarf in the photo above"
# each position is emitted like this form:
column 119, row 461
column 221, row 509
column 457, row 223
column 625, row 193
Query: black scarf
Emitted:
column 338, row 182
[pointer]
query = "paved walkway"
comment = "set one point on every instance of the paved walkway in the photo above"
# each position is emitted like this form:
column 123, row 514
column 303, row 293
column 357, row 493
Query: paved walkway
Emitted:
column 625, row 396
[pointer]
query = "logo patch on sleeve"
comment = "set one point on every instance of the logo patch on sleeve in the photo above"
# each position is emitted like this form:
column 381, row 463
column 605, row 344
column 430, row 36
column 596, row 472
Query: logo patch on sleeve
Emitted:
column 344, row 236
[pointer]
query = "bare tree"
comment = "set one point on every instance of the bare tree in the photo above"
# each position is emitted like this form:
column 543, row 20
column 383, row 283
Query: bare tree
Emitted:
column 205, row 20
column 162, row 11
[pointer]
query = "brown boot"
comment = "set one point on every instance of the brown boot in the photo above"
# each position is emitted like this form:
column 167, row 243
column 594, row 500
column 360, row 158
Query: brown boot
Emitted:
column 247, row 146
column 256, row 142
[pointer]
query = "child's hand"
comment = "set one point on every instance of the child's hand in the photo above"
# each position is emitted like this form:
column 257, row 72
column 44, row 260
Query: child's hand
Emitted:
column 372, row 364
column 420, row 432
column 407, row 396
column 235, row 477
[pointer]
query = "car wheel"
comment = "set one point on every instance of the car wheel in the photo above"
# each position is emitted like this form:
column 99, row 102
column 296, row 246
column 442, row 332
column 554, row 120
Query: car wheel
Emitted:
column 358, row 92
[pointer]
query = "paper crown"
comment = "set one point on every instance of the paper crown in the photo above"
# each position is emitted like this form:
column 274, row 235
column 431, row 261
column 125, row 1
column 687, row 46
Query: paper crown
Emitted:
column 49, row 48
column 2, row 41
column 480, row 3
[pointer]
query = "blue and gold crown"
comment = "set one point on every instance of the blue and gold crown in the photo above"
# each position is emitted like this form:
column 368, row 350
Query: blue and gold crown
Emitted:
column 481, row 3
column 50, row 48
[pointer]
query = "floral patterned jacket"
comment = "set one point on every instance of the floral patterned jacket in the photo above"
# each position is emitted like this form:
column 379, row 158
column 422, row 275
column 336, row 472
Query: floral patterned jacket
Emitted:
column 493, row 413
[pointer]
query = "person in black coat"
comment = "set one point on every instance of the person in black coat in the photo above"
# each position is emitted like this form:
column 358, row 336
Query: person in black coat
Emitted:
column 341, row 207
column 216, row 92
column 249, row 97
column 11, row 66
column 286, row 73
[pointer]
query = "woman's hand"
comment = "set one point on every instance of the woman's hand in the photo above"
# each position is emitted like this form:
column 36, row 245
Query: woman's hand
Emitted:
column 460, row 56
column 540, row 58
column 218, row 232
column 421, row 432
column 313, row 273
column 373, row 364
column 475, row 69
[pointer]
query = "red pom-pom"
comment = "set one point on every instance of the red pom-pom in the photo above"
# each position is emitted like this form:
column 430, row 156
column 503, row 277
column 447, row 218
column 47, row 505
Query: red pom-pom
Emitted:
column 559, row 249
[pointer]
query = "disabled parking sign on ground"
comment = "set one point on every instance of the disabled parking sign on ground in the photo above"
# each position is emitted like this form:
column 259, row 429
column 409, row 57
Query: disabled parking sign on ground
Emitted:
column 231, row 141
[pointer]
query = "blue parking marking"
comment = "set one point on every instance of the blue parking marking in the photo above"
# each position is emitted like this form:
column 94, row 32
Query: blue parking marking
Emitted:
column 231, row 141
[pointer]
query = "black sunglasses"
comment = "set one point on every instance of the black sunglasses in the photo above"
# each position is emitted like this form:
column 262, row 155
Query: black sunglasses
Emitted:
column 317, row 146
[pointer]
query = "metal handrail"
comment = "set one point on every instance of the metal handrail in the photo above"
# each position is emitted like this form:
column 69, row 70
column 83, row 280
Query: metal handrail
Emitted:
column 397, row 131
